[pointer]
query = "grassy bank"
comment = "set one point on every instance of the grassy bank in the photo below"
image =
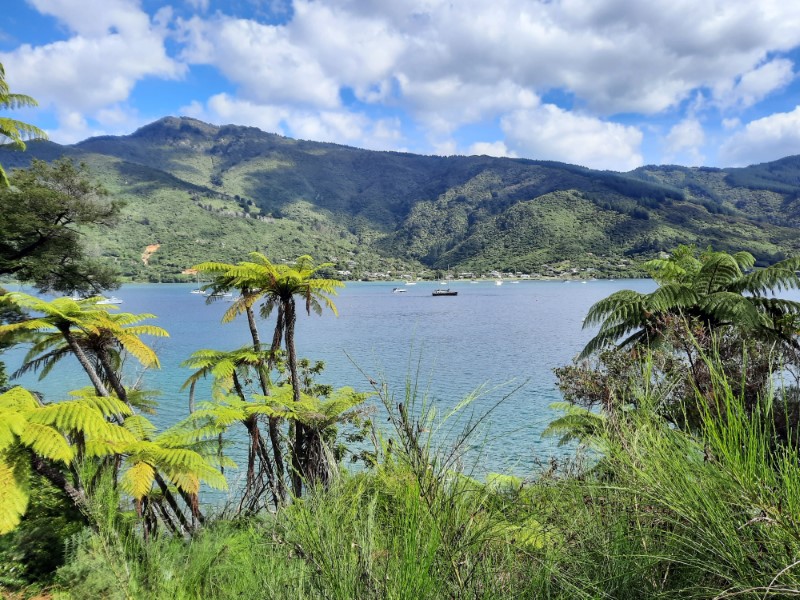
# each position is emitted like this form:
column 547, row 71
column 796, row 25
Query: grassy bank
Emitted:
column 659, row 514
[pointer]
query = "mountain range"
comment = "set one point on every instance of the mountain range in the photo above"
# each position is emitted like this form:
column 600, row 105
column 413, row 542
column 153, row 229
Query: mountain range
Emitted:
column 197, row 192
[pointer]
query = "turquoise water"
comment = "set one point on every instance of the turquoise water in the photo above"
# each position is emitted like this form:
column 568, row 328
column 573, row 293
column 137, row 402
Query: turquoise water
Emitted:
column 499, row 338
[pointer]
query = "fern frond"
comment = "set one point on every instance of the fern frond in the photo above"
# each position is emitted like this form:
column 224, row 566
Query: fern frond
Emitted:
column 47, row 442
column 137, row 480
column 107, row 406
column 18, row 398
column 13, row 495
column 778, row 277
column 719, row 270
column 602, row 308
column 139, row 427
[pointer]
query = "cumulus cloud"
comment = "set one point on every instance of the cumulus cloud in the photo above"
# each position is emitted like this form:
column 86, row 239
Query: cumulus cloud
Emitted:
column 756, row 84
column 341, row 127
column 764, row 139
column 490, row 149
column 324, row 65
column 113, row 45
column 684, row 142
column 549, row 132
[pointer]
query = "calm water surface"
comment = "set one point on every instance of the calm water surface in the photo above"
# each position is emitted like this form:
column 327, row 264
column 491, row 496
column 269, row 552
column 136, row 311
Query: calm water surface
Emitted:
column 497, row 338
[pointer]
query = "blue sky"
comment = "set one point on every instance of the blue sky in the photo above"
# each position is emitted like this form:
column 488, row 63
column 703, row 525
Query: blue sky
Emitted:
column 609, row 84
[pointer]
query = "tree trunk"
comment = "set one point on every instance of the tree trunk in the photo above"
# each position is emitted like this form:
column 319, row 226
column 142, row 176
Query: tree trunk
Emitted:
column 112, row 377
column 98, row 384
column 298, row 450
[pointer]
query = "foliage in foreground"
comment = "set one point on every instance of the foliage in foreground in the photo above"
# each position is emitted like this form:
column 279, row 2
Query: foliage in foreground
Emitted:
column 663, row 514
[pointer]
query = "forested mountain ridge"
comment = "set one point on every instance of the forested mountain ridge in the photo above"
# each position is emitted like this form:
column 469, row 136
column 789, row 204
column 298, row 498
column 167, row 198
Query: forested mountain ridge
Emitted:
column 206, row 192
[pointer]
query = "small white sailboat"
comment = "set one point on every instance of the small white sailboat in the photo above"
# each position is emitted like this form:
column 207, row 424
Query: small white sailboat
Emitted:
column 197, row 290
column 111, row 300
column 499, row 282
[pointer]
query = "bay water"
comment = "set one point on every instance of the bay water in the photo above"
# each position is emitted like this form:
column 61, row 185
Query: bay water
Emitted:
column 502, row 340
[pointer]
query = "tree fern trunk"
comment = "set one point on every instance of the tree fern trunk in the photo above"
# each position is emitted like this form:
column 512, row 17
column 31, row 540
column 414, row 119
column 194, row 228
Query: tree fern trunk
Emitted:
column 298, row 451
column 273, row 422
column 98, row 384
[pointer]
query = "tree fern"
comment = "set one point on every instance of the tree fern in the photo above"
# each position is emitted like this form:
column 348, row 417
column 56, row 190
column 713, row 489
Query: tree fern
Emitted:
column 711, row 290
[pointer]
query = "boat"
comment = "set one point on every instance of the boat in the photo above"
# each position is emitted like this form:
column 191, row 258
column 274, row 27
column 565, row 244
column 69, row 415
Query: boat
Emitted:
column 111, row 300
column 198, row 289
column 499, row 282
column 411, row 283
column 445, row 292
column 220, row 295
column 399, row 291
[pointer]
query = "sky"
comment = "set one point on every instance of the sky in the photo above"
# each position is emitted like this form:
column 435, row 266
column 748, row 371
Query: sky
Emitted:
column 607, row 84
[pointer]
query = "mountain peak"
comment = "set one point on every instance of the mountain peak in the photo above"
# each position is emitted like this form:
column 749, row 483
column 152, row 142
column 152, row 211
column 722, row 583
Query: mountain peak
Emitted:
column 172, row 127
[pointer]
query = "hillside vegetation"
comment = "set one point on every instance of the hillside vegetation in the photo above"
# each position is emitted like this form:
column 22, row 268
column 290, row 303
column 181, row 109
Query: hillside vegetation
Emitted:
column 198, row 190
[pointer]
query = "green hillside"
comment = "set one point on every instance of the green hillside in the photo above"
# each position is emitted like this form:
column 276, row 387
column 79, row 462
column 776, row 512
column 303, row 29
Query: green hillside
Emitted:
column 199, row 192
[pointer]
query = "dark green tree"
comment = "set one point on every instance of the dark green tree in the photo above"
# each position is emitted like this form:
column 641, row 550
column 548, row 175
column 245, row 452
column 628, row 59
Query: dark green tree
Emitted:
column 43, row 213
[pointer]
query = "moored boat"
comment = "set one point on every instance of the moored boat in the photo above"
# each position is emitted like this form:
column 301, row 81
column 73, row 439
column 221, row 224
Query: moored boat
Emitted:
column 445, row 292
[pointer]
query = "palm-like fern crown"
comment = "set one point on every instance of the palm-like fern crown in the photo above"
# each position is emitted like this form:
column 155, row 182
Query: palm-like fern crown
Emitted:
column 221, row 367
column 53, row 432
column 715, row 288
column 92, row 325
column 276, row 284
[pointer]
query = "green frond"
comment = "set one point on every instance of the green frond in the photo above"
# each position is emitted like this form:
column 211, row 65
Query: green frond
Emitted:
column 12, row 423
column 14, row 101
column 607, row 337
column 728, row 307
column 71, row 416
column 577, row 424
column 186, row 481
column 175, row 437
column 107, row 406
column 719, row 270
column 13, row 496
column 99, row 448
column 47, row 442
column 777, row 277
column 776, row 307
column 602, row 308
column 669, row 298
column 237, row 307
column 139, row 427
column 665, row 270
column 137, row 481
column 745, row 260
column 342, row 400
column 18, row 398
column 213, row 268
column 139, row 350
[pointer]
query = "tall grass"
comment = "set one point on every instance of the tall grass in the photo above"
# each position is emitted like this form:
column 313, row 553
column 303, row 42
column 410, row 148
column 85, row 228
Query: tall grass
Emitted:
column 663, row 513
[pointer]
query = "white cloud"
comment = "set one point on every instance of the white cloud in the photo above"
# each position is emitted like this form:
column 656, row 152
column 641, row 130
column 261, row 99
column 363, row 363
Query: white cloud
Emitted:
column 444, row 64
column 490, row 149
column 757, row 84
column 549, row 132
column 684, row 142
column 262, row 60
column 763, row 140
column 339, row 127
column 114, row 45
